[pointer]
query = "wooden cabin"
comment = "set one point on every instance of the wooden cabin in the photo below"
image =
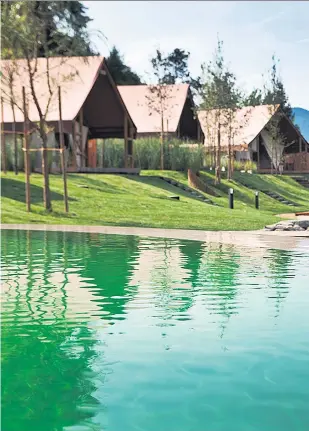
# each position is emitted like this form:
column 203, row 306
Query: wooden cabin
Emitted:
column 92, row 107
column 169, row 105
column 262, row 134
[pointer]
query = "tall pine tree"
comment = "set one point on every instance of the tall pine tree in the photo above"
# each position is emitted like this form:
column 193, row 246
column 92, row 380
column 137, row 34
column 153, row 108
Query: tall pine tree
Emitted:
column 274, row 91
column 121, row 73
column 220, row 99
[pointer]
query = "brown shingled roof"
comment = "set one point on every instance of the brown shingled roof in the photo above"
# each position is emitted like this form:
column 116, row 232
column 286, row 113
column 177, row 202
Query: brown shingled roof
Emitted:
column 143, row 104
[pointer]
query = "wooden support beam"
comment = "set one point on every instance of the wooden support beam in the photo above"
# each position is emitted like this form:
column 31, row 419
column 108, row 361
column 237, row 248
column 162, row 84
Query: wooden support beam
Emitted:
column 62, row 155
column 300, row 142
column 258, row 151
column 102, row 154
column 3, row 145
column 74, row 162
column 198, row 131
column 81, row 143
column 131, row 147
column 92, row 153
column 125, row 141
column 26, row 151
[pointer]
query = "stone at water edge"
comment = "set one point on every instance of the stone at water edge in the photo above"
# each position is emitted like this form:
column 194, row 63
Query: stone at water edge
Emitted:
column 289, row 225
column 298, row 228
column 303, row 223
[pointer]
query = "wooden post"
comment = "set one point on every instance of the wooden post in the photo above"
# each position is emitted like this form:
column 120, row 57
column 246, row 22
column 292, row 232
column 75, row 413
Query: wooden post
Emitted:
column 218, row 161
column 258, row 151
column 62, row 154
column 15, row 139
column 15, row 148
column 26, row 152
column 3, row 146
column 125, row 141
column 300, row 144
column 81, row 146
column 132, row 148
column 74, row 145
column 198, row 132
column 92, row 153
column 102, row 154
column 162, row 144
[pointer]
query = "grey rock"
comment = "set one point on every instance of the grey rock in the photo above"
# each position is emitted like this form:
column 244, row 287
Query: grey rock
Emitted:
column 303, row 223
column 270, row 227
column 297, row 228
column 289, row 225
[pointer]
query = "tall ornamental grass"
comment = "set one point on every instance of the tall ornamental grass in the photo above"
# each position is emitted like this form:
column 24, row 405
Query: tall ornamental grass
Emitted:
column 178, row 155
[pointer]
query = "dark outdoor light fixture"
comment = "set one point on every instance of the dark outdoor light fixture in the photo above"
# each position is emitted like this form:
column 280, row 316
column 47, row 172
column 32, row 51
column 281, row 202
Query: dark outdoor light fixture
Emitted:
column 257, row 204
column 231, row 198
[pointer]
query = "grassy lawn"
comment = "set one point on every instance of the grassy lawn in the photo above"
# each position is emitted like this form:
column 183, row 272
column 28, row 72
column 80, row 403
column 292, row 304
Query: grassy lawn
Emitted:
column 141, row 201
column 243, row 196
column 282, row 185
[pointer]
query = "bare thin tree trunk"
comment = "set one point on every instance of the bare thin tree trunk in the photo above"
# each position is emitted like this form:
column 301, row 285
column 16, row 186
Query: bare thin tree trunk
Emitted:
column 229, row 167
column 15, row 139
column 43, row 135
column 218, row 164
column 162, row 144
column 272, row 158
column 3, row 146
column 45, row 172
column 26, row 152
column 64, row 173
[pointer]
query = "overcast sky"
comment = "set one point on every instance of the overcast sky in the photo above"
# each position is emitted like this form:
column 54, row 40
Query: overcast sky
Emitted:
column 251, row 31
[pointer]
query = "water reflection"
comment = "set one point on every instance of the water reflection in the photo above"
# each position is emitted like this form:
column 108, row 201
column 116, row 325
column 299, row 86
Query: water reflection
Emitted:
column 84, row 314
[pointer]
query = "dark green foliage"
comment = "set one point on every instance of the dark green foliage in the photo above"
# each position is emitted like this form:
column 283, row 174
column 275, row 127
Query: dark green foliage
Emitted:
column 121, row 73
column 174, row 69
column 174, row 66
column 61, row 26
column 275, row 93
column 219, row 89
column 255, row 98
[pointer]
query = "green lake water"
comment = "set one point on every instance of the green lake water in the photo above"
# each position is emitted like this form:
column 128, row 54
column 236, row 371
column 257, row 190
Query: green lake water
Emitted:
column 120, row 333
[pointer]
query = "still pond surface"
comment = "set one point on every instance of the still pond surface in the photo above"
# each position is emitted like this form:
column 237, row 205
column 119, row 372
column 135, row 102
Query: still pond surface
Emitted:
column 120, row 333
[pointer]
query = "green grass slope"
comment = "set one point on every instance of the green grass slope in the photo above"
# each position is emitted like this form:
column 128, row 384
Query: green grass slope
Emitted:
column 129, row 201
column 283, row 185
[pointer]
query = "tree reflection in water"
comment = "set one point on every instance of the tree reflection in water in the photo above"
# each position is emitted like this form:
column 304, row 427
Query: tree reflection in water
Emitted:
column 65, row 296
column 56, row 285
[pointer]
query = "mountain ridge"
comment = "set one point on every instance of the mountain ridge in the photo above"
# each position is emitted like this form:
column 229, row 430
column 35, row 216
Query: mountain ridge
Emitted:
column 301, row 118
